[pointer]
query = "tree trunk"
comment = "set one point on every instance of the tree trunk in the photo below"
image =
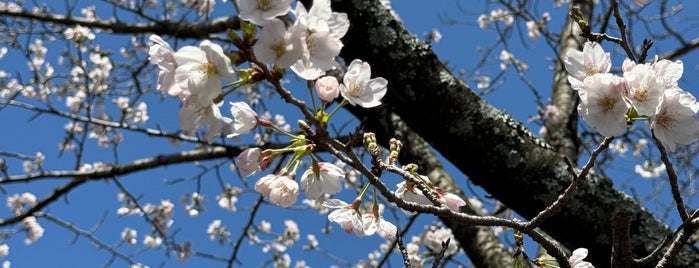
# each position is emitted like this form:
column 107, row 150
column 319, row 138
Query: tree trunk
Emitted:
column 495, row 151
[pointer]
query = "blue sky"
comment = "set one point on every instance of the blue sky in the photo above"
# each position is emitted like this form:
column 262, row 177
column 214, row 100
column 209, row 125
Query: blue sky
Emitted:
column 86, row 206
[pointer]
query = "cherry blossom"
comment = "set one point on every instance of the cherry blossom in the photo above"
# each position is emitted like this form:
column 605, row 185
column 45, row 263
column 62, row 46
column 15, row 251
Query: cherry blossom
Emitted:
column 78, row 34
column 228, row 198
column 263, row 184
column 4, row 250
column 17, row 203
column 194, row 114
column 643, row 89
column 321, row 32
column 375, row 223
column 533, row 30
column 130, row 236
column 278, row 45
column 218, row 231
column 152, row 241
column 668, row 72
column 248, row 161
column 323, row 178
column 359, row 88
column 434, row 237
column 453, row 202
column 409, row 192
column 483, row 21
column 33, row 229
column 200, row 70
column 203, row 7
column 284, row 191
column 260, row 11
column 588, row 62
column 576, row 259
column 161, row 54
column 244, row 119
column 328, row 88
column 346, row 215
column 675, row 119
column 649, row 170
column 603, row 106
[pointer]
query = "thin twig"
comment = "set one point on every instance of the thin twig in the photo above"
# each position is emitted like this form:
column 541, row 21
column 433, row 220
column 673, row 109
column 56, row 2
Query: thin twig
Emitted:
column 563, row 199
column 672, row 176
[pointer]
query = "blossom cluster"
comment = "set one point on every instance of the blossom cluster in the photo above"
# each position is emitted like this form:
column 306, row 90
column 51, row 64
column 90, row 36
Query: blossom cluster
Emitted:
column 645, row 91
column 495, row 15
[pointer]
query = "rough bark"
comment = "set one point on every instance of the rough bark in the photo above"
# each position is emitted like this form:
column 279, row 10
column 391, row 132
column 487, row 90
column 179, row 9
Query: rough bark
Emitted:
column 494, row 150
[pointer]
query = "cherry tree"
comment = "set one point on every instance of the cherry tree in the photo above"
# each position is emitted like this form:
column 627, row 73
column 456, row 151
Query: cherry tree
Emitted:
column 325, row 117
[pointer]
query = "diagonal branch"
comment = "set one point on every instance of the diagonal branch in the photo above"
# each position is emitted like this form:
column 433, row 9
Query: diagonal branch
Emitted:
column 171, row 28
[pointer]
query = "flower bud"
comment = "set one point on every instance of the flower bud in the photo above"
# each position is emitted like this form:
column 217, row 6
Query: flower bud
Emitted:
column 328, row 88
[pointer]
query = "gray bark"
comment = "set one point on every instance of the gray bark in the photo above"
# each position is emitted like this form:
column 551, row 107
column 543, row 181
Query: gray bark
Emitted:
column 494, row 150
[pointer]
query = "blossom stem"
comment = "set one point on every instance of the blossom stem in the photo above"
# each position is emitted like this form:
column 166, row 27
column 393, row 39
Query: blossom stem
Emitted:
column 235, row 85
column 361, row 194
column 337, row 108
column 309, row 85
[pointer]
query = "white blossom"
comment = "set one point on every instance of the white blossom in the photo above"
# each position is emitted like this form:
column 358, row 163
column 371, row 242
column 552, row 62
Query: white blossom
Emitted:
column 675, row 120
column 358, row 88
column 576, row 259
column 588, row 62
column 260, row 11
column 603, row 106
column 200, row 70
column 129, row 235
column 278, row 45
column 245, row 119
column 323, row 178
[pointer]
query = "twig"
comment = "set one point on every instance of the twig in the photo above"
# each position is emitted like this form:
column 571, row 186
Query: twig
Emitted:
column 678, row 243
column 440, row 255
column 672, row 176
column 658, row 250
column 403, row 250
column 244, row 233
column 87, row 235
column 568, row 193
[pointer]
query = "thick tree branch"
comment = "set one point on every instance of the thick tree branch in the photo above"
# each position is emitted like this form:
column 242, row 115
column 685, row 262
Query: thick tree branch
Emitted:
column 177, row 29
column 495, row 151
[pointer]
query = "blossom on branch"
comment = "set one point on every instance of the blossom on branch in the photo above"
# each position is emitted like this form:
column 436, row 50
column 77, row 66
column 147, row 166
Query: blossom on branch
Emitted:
column 576, row 259
column 200, row 70
column 588, row 62
column 327, row 88
column 602, row 104
column 161, row 54
column 245, row 119
column 643, row 89
column 322, row 178
column 194, row 114
column 260, row 11
column 347, row 215
column 282, row 190
column 248, row 161
column 321, row 30
column 675, row 120
column 375, row 223
column 278, row 45
column 358, row 88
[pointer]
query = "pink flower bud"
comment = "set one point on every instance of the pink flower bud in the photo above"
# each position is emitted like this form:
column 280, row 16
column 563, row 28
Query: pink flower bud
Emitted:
column 327, row 88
